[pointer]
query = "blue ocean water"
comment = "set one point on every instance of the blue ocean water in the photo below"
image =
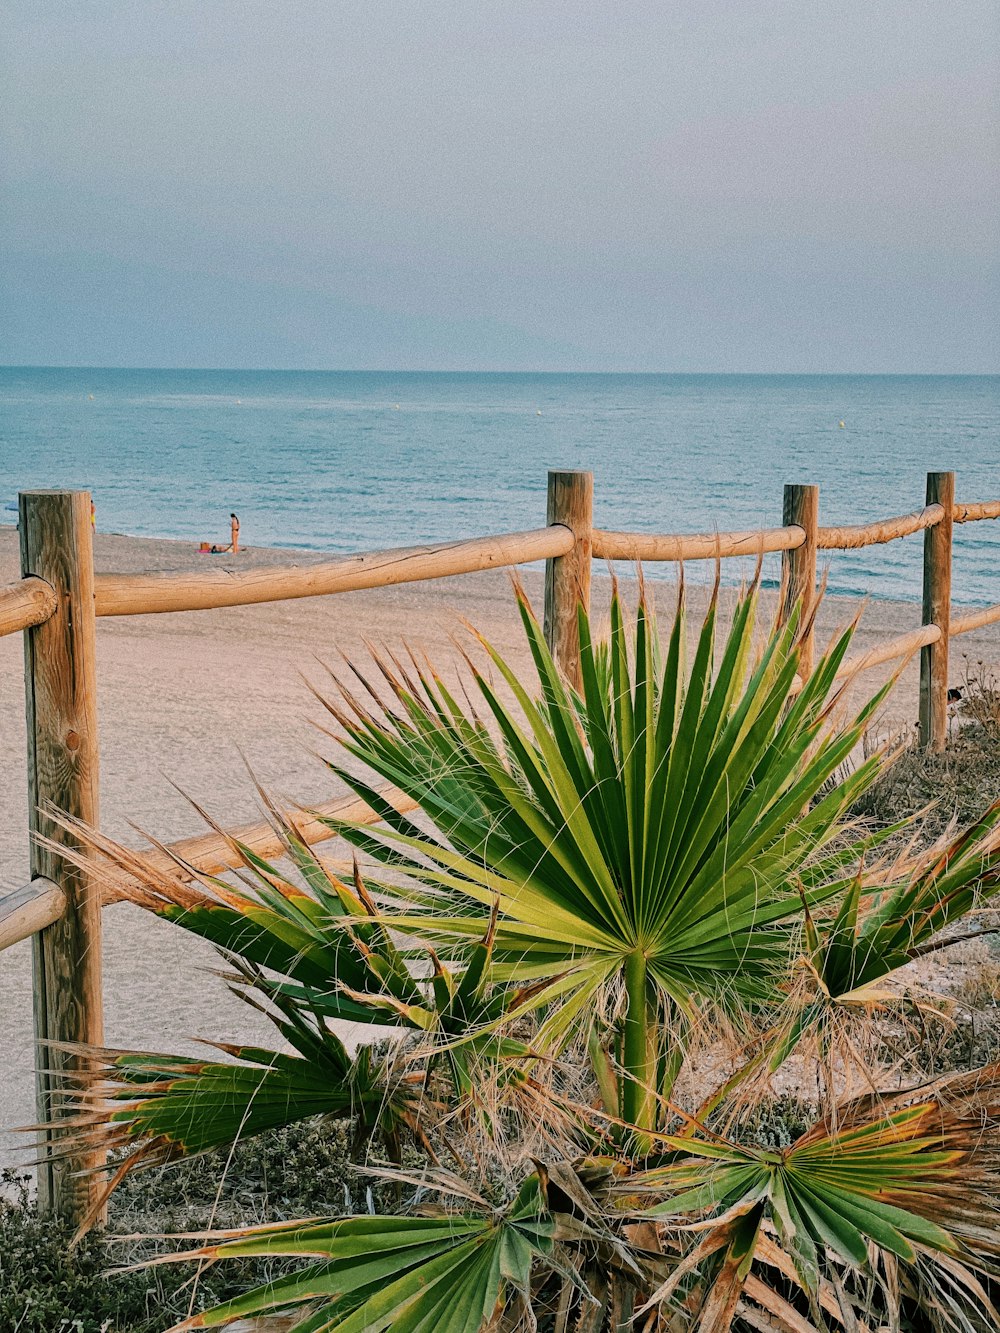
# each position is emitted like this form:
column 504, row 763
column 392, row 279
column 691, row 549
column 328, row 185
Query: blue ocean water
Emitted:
column 345, row 461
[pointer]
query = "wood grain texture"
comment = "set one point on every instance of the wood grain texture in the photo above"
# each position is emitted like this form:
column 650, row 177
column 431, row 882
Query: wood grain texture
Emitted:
column 609, row 545
column 211, row 853
column 567, row 576
column 26, row 911
column 25, row 603
column 61, row 702
column 881, row 531
column 976, row 510
column 937, row 611
column 152, row 594
column 972, row 620
column 801, row 509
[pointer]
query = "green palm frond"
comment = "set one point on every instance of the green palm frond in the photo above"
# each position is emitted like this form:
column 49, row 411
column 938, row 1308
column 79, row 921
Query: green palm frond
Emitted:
column 853, row 958
column 318, row 943
column 407, row 1274
column 660, row 829
column 305, row 953
column 177, row 1106
column 913, row 1174
column 303, row 930
column 151, row 1108
column 876, row 933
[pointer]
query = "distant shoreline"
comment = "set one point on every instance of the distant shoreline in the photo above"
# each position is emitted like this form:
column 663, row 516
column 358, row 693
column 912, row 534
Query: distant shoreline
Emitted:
column 524, row 373
column 699, row 573
column 345, row 461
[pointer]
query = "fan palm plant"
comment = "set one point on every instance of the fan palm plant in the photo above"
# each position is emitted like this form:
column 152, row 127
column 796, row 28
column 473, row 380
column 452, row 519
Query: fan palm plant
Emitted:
column 606, row 869
column 895, row 1208
column 654, row 842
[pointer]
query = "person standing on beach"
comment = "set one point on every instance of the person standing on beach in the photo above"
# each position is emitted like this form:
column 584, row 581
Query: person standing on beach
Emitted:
column 235, row 527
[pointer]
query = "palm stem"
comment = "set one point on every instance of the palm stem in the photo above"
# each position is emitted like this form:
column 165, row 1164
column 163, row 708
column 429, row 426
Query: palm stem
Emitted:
column 639, row 1049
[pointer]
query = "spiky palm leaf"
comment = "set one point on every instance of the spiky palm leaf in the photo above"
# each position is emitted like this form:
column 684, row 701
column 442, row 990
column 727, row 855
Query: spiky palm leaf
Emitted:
column 660, row 829
column 167, row 1106
column 911, row 1177
column 318, row 943
column 852, row 958
column 880, row 929
column 318, row 932
column 146, row 1108
column 407, row 1274
column 663, row 839
column 306, row 952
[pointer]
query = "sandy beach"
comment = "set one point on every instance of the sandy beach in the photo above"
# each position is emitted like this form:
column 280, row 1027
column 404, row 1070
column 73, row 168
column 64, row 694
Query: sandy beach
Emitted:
column 183, row 696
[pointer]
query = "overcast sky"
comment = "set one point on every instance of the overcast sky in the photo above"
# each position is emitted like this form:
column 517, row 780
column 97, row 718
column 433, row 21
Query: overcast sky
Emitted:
column 758, row 185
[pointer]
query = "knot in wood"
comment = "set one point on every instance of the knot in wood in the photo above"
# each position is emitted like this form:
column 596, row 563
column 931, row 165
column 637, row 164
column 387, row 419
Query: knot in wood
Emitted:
column 72, row 740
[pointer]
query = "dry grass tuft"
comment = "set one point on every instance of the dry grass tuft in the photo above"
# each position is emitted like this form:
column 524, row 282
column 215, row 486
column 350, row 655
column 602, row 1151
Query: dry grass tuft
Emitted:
column 980, row 689
column 959, row 783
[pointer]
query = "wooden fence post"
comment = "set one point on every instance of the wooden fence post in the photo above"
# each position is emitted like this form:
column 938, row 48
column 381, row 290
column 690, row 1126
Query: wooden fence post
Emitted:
column 60, row 686
column 801, row 507
column 567, row 577
column 937, row 611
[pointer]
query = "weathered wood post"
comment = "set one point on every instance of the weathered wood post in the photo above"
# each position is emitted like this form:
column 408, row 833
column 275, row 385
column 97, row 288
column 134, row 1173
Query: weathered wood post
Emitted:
column 937, row 611
column 801, row 507
column 567, row 577
column 60, row 686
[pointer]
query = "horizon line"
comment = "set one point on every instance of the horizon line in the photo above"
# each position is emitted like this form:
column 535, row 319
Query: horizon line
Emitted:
column 380, row 370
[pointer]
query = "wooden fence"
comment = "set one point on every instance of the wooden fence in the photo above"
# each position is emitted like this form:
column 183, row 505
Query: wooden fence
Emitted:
column 59, row 597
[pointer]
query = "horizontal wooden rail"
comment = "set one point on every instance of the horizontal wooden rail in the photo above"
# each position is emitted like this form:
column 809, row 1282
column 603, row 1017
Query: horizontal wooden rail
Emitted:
column 881, row 531
column 723, row 545
column 972, row 620
column 971, row 513
column 212, row 853
column 901, row 646
column 610, row 545
column 693, row 546
column 26, row 911
column 27, row 602
column 31, row 601
column 41, row 903
column 152, row 594
column 904, row 645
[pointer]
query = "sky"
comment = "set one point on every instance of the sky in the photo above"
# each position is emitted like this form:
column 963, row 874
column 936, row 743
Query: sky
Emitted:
column 666, row 185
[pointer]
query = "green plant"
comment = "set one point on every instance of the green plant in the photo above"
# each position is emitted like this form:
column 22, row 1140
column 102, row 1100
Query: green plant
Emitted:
column 46, row 1284
column 612, row 870
column 653, row 838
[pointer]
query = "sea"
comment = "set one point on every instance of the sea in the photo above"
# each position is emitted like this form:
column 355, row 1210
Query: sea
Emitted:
column 352, row 461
